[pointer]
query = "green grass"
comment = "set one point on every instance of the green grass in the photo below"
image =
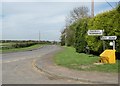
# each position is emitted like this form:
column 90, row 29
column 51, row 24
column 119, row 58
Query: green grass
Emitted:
column 21, row 49
column 80, row 61
column 7, row 44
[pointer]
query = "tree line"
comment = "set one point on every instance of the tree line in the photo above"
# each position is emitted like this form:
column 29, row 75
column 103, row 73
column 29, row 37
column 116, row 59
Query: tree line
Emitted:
column 23, row 43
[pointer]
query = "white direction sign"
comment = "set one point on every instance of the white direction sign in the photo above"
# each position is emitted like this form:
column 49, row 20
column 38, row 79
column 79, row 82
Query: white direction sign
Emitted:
column 108, row 37
column 95, row 32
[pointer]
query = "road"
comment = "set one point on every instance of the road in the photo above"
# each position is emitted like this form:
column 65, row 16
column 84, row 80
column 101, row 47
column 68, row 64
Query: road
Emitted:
column 17, row 68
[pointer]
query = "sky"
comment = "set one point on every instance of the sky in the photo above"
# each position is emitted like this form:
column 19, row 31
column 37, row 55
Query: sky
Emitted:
column 24, row 19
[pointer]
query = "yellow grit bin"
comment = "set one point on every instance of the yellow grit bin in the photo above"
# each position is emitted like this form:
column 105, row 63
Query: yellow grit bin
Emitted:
column 108, row 56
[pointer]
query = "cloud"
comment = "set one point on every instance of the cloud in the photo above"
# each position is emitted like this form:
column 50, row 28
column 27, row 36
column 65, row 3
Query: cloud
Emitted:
column 22, row 23
column 57, row 0
column 0, row 21
column 21, row 20
column 24, row 20
column 0, row 29
column 53, row 20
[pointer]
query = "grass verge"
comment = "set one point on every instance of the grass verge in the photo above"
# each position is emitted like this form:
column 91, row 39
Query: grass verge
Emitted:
column 21, row 49
column 80, row 61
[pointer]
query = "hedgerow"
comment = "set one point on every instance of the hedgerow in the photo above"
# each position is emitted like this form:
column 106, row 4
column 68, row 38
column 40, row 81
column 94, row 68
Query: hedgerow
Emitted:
column 108, row 21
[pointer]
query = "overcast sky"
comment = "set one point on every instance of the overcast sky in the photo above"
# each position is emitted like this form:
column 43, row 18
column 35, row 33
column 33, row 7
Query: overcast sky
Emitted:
column 23, row 20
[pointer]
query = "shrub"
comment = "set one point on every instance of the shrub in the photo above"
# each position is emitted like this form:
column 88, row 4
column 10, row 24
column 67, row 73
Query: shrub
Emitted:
column 108, row 21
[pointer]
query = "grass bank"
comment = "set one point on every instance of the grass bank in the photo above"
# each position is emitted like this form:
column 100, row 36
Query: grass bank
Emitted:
column 80, row 61
column 21, row 49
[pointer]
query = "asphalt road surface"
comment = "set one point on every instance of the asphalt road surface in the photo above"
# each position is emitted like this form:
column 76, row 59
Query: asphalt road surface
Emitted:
column 17, row 68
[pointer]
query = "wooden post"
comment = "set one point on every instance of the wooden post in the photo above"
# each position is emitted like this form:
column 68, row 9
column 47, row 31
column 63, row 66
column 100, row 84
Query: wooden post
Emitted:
column 92, row 8
column 39, row 36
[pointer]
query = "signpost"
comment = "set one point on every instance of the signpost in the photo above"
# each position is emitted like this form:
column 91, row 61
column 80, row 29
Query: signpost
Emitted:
column 95, row 32
column 100, row 33
column 104, row 56
column 108, row 37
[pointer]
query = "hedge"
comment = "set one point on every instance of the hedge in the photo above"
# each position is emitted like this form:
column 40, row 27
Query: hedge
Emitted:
column 108, row 21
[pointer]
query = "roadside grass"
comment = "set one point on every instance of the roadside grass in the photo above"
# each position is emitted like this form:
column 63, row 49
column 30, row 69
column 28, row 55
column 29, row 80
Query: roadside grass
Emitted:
column 80, row 61
column 21, row 49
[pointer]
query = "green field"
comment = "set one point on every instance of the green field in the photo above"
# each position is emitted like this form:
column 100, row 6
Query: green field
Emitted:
column 80, row 61
column 10, row 49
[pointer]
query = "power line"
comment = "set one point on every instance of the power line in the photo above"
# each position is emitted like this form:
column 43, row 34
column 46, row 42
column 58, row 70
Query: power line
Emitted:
column 109, row 3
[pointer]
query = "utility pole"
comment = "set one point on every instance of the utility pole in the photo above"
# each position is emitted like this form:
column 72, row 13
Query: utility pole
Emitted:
column 39, row 36
column 92, row 8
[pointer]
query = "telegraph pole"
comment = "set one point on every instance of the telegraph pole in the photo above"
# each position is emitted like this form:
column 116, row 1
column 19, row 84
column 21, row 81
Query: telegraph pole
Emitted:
column 39, row 36
column 92, row 8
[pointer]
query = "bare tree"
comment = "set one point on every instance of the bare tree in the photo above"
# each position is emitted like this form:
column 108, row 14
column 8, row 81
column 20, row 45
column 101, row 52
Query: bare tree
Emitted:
column 68, row 34
column 76, row 14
